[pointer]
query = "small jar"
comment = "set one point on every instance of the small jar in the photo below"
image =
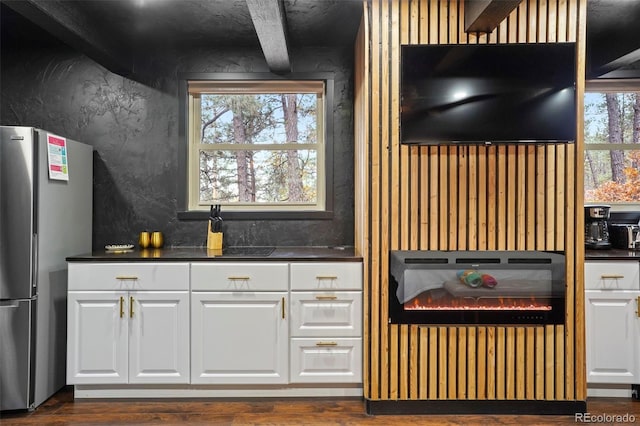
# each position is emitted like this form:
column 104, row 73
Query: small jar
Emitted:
column 157, row 240
column 144, row 240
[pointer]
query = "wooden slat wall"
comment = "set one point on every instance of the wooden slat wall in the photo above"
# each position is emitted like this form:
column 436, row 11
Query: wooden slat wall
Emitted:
column 464, row 198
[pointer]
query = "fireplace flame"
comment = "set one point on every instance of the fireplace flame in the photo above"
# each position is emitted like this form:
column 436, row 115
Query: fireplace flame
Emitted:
column 478, row 304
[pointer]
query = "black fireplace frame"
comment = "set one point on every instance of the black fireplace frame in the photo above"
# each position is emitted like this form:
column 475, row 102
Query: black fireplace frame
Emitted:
column 552, row 260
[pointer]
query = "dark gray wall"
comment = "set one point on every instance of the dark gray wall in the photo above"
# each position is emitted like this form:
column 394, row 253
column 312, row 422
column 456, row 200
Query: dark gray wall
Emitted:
column 133, row 127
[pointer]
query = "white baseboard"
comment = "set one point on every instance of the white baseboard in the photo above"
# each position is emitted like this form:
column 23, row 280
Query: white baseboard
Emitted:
column 192, row 391
column 608, row 391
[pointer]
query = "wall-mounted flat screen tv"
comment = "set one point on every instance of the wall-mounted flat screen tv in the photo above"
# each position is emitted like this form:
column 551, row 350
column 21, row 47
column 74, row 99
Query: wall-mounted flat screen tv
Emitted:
column 488, row 93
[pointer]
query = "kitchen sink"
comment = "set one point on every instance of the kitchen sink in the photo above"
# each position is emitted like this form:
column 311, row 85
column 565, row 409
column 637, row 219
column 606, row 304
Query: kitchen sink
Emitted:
column 247, row 251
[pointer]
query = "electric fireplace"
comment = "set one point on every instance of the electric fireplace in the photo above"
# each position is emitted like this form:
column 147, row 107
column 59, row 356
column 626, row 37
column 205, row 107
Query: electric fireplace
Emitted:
column 476, row 287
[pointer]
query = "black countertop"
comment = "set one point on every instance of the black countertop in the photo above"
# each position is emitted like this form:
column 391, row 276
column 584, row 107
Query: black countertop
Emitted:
column 195, row 254
column 612, row 254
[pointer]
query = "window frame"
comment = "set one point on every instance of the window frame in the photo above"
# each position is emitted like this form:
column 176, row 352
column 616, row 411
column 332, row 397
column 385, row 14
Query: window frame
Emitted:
column 183, row 152
column 612, row 86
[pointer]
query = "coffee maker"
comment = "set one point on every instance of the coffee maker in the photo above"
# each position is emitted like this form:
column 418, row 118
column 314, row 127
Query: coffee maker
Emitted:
column 596, row 227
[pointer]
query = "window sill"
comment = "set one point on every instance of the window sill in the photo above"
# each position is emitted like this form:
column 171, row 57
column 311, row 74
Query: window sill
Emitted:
column 256, row 215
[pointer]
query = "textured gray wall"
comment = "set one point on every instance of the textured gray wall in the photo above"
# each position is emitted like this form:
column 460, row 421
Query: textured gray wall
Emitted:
column 133, row 127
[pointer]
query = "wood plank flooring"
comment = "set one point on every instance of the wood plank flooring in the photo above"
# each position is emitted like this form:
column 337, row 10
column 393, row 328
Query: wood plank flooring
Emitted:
column 61, row 409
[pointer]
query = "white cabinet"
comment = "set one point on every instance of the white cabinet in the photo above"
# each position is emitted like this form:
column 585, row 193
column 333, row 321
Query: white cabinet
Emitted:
column 118, row 334
column 97, row 338
column 243, row 327
column 239, row 323
column 612, row 291
column 326, row 322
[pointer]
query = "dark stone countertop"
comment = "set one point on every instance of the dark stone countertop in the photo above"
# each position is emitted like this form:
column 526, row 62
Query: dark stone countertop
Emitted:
column 196, row 254
column 612, row 254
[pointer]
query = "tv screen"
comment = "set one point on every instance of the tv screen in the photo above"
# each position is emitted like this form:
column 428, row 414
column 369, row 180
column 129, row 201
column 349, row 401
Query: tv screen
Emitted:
column 490, row 93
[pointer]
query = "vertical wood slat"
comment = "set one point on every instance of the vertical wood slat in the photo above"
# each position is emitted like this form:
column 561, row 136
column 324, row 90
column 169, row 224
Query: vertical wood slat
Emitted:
column 530, row 363
column 452, row 361
column 376, row 296
column 404, row 362
column 443, row 357
column 550, row 360
column 521, row 366
column 461, row 361
column 510, row 367
column 481, row 370
column 414, row 371
column 491, row 363
column 423, row 361
column 387, row 232
column 434, row 377
column 473, row 198
column 472, row 366
column 575, row 245
column 501, row 363
column 361, row 123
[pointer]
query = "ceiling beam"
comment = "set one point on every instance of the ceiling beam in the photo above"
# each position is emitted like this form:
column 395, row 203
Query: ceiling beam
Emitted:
column 613, row 39
column 619, row 68
column 76, row 30
column 485, row 15
column 270, row 23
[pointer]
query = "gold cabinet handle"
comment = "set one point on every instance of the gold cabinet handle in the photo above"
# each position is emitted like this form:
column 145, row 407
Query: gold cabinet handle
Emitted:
column 131, row 307
column 236, row 278
column 638, row 306
column 611, row 276
column 127, row 278
column 326, row 344
column 326, row 277
column 121, row 307
column 283, row 307
column 326, row 297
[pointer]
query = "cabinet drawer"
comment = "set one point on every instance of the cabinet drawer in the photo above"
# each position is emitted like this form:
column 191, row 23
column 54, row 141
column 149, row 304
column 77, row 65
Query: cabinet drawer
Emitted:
column 612, row 275
column 326, row 360
column 239, row 276
column 327, row 313
column 128, row 276
column 326, row 275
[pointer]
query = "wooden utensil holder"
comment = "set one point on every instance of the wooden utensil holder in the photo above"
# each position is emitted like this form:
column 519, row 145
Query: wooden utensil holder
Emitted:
column 214, row 239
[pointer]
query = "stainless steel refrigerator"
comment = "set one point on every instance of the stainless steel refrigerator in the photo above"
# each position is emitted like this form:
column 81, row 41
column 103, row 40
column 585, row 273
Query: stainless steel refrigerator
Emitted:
column 45, row 216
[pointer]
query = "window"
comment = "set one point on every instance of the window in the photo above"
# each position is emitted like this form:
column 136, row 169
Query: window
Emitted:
column 612, row 143
column 257, row 144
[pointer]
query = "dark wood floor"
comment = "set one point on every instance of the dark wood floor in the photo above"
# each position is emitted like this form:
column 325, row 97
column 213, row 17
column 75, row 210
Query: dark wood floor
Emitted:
column 61, row 409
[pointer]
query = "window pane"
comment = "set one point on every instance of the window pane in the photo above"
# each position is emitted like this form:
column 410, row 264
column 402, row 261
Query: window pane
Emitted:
column 599, row 184
column 611, row 169
column 258, row 118
column 609, row 117
column 258, row 176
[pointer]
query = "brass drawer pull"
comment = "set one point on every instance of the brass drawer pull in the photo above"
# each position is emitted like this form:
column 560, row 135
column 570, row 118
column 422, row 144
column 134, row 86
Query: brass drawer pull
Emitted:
column 326, row 277
column 638, row 306
column 326, row 344
column 121, row 306
column 127, row 277
column 131, row 307
column 611, row 276
column 238, row 278
column 327, row 297
column 283, row 308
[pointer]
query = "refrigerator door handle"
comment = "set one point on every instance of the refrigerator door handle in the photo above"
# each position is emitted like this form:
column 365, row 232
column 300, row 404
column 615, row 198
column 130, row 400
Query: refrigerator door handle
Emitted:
column 9, row 303
column 34, row 265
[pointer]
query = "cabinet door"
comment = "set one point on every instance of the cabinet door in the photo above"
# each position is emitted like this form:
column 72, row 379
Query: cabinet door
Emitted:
column 159, row 337
column 97, row 338
column 613, row 337
column 239, row 337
